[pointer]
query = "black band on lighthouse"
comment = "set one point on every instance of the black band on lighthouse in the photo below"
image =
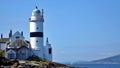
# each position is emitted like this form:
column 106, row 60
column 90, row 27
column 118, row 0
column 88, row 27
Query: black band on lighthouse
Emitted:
column 36, row 34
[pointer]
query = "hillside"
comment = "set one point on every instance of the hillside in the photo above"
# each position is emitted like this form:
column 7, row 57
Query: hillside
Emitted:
column 109, row 60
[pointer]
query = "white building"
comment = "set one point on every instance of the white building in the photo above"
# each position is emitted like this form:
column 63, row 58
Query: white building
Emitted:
column 17, row 47
column 48, row 51
column 37, row 35
column 4, row 42
column 36, row 32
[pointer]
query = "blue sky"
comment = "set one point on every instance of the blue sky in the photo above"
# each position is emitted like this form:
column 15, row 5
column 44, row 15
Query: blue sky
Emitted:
column 78, row 30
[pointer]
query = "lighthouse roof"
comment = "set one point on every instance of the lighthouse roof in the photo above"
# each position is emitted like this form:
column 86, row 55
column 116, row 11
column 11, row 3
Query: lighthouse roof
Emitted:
column 36, row 10
column 37, row 15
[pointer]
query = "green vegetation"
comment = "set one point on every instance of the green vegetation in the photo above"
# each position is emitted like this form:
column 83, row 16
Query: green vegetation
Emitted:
column 2, row 53
column 36, row 58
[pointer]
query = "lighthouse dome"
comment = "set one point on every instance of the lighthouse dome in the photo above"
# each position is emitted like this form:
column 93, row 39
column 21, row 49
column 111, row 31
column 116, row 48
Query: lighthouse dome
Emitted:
column 36, row 11
column 37, row 15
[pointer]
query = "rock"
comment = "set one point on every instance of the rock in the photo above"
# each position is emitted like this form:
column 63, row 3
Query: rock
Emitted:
column 13, row 63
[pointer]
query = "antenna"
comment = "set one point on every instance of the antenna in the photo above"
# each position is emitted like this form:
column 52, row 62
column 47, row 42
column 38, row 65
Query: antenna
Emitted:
column 36, row 3
column 42, row 11
column 36, row 7
column 1, row 36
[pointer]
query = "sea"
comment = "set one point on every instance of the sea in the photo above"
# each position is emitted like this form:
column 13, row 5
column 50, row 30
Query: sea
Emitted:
column 97, row 65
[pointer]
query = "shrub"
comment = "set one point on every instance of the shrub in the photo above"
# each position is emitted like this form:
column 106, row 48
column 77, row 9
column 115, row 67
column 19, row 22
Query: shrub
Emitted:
column 2, row 53
column 35, row 58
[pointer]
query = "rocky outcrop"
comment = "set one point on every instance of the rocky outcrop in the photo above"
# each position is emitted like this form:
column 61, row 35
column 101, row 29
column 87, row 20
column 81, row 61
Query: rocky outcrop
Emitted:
column 13, row 63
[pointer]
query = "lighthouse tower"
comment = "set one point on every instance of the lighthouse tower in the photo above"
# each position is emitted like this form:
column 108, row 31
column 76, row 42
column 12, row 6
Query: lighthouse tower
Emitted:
column 36, row 32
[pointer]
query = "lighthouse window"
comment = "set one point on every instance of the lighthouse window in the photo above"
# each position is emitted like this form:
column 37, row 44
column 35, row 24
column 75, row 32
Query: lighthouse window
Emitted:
column 36, row 41
column 50, row 50
column 37, row 28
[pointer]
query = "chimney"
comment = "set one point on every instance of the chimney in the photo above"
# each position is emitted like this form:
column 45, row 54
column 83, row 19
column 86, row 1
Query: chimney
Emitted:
column 1, row 36
column 22, row 33
column 47, row 40
column 10, row 34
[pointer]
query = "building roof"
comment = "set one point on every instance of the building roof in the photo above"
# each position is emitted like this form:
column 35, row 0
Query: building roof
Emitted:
column 19, row 42
column 36, row 10
column 4, row 40
column 16, row 49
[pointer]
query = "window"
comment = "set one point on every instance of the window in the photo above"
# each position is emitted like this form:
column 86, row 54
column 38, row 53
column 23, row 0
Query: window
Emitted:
column 8, row 55
column 50, row 51
column 11, row 55
column 17, row 37
column 37, row 28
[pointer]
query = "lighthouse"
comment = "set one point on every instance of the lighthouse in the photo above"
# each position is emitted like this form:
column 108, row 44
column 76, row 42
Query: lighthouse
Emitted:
column 36, row 32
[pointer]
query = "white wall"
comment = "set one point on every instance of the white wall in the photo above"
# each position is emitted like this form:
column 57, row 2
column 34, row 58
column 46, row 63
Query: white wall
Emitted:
column 3, row 46
column 46, row 50
column 35, row 25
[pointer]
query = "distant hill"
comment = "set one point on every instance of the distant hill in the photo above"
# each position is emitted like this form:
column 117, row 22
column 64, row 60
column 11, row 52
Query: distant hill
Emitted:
column 109, row 60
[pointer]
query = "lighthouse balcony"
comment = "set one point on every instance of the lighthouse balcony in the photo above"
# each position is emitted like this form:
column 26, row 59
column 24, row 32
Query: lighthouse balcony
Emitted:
column 35, row 19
